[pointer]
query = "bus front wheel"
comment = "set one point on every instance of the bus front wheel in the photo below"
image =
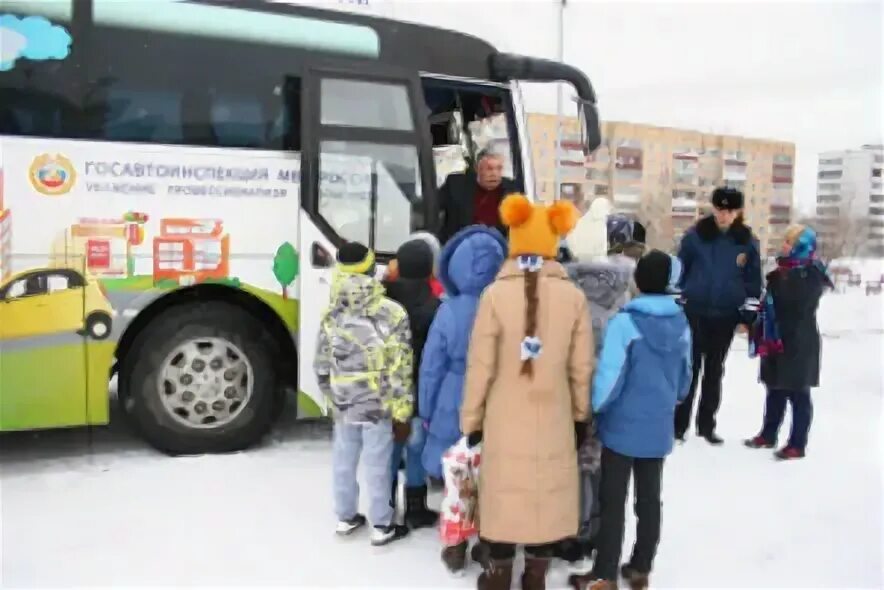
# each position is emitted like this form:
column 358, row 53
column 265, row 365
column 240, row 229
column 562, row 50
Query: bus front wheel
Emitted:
column 202, row 380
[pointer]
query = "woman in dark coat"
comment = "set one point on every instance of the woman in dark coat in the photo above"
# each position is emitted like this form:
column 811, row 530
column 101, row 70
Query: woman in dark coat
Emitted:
column 787, row 339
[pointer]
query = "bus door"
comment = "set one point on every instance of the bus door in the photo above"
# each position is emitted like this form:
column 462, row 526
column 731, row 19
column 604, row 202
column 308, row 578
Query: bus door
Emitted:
column 367, row 176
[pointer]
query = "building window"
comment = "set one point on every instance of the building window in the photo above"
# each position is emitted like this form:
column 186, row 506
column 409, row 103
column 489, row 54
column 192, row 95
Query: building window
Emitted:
column 828, row 198
column 829, row 174
column 876, row 210
column 831, row 161
column 876, row 198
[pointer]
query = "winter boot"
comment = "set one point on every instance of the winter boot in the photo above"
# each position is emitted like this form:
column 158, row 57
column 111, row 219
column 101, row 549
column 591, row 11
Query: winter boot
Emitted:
column 497, row 576
column 534, row 576
column 712, row 438
column 590, row 582
column 455, row 558
column 350, row 526
column 569, row 550
column 787, row 453
column 417, row 515
column 479, row 554
column 635, row 579
column 758, row 442
column 384, row 535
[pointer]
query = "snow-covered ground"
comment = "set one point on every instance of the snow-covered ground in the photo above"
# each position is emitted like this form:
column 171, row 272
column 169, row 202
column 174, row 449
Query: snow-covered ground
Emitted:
column 96, row 508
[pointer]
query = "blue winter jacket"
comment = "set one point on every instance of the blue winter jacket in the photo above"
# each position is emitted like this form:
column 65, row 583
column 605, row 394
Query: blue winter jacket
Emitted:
column 721, row 269
column 469, row 262
column 643, row 372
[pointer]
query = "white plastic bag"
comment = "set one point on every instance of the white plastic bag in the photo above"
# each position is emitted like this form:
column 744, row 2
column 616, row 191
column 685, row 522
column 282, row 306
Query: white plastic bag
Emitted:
column 459, row 516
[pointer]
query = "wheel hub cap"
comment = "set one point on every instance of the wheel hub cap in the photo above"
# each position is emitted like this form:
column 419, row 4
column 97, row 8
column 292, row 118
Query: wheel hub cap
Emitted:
column 205, row 382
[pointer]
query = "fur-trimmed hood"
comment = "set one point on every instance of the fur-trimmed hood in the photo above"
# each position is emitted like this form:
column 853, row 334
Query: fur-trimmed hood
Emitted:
column 708, row 230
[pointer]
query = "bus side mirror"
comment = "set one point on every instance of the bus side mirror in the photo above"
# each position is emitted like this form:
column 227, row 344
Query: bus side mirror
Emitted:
column 590, row 128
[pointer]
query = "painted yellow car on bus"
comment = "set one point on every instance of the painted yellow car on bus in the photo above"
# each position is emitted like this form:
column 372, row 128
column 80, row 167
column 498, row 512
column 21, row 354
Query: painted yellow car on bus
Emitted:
column 46, row 301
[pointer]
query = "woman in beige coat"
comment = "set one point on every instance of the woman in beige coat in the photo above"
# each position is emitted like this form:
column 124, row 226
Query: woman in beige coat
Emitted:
column 527, row 384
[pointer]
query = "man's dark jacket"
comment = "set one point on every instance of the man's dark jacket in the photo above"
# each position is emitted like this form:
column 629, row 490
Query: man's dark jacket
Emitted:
column 721, row 269
column 456, row 200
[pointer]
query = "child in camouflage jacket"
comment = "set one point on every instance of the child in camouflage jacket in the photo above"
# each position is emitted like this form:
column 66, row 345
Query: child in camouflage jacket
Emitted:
column 364, row 366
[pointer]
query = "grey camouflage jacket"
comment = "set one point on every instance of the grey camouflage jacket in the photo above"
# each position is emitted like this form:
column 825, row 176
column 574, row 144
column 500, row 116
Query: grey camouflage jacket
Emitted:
column 363, row 354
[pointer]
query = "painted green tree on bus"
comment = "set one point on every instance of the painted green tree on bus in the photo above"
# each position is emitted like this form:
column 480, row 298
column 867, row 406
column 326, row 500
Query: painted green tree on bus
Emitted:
column 286, row 267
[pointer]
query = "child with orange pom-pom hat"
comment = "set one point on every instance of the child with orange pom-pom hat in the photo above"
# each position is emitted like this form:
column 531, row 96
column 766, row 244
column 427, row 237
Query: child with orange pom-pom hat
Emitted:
column 527, row 395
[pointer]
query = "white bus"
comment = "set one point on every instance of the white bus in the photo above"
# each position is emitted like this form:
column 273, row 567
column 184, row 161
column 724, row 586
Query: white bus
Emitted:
column 175, row 178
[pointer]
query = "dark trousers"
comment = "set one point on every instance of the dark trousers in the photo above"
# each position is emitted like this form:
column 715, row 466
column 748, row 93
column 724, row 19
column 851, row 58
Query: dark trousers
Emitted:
column 616, row 471
column 503, row 551
column 775, row 411
column 711, row 339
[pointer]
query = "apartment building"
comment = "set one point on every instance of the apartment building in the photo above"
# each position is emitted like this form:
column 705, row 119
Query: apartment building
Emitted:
column 665, row 177
column 850, row 201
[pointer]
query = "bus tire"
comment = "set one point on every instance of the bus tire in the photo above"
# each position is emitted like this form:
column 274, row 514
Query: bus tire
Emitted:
column 191, row 366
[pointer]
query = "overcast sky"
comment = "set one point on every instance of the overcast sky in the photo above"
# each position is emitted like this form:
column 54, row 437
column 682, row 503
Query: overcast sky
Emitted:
column 807, row 72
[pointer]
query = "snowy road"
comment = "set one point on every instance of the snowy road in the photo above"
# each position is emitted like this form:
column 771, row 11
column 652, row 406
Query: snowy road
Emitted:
column 99, row 509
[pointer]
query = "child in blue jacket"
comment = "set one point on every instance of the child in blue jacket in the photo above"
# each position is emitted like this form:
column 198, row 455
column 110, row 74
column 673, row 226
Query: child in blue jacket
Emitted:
column 643, row 373
column 468, row 264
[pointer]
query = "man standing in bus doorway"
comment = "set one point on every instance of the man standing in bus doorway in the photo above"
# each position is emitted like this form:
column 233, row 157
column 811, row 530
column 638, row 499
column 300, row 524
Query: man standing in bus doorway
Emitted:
column 473, row 198
column 721, row 279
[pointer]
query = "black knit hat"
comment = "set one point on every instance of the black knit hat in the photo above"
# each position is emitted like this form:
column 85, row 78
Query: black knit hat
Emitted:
column 727, row 198
column 355, row 258
column 415, row 260
column 652, row 272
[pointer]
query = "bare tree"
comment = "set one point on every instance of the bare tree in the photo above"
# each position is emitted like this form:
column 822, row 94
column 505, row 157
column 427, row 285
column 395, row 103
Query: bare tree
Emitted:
column 842, row 230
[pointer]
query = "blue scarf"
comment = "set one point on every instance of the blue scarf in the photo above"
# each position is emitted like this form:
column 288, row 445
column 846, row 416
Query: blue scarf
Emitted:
column 766, row 339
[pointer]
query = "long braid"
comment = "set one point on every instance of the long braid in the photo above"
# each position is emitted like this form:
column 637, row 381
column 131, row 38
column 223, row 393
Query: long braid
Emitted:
column 531, row 303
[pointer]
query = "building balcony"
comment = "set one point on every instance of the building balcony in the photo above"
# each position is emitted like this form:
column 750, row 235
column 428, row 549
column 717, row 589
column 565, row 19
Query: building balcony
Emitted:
column 828, row 187
column 781, row 200
column 781, row 210
column 780, row 220
column 686, row 180
column 734, row 173
column 628, row 175
column 597, row 174
column 620, row 197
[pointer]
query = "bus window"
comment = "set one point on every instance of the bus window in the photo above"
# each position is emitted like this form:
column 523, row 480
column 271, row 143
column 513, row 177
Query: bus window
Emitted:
column 211, row 117
column 239, row 122
column 368, row 191
column 369, row 163
column 374, row 105
column 153, row 116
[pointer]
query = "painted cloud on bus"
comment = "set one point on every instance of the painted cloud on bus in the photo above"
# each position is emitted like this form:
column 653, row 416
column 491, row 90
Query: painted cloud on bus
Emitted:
column 33, row 38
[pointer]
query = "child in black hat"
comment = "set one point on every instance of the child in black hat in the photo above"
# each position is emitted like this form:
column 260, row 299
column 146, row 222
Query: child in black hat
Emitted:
column 643, row 372
column 412, row 289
